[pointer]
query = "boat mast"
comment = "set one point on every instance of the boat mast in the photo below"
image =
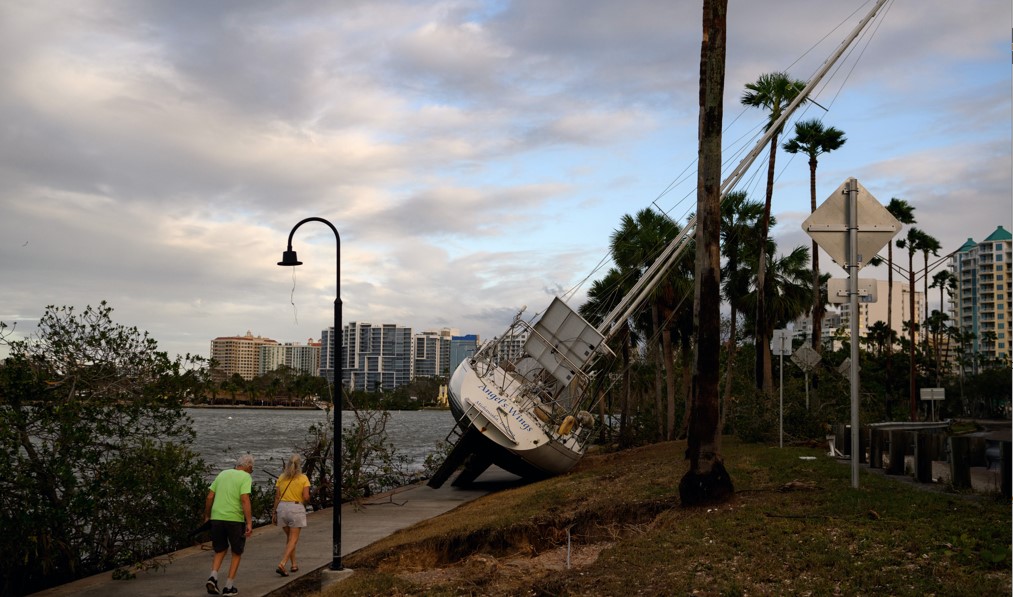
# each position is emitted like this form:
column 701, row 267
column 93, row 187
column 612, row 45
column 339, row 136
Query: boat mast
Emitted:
column 642, row 290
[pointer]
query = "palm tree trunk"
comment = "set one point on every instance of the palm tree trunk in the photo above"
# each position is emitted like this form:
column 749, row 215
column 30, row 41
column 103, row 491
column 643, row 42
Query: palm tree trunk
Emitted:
column 707, row 481
column 817, row 308
column 659, row 358
column 669, row 382
column 730, row 366
column 764, row 372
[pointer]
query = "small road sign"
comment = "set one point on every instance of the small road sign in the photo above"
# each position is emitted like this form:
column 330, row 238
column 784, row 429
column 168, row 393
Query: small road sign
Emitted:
column 806, row 358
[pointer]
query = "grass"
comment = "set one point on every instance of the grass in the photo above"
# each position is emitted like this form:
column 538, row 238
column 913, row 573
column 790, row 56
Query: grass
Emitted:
column 794, row 527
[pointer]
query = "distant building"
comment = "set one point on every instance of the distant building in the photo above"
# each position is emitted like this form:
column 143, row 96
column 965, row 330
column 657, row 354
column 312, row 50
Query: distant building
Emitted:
column 462, row 347
column 302, row 358
column 870, row 313
column 983, row 301
column 374, row 357
column 431, row 354
column 237, row 355
column 511, row 346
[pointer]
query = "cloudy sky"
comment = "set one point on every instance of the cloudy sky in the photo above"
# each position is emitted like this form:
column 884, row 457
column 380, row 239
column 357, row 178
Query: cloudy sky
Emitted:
column 475, row 155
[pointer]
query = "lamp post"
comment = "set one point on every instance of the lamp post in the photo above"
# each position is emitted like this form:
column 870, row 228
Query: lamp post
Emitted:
column 289, row 258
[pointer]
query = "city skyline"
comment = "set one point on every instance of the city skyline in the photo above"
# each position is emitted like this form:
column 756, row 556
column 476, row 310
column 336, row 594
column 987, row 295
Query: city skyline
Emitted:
column 474, row 155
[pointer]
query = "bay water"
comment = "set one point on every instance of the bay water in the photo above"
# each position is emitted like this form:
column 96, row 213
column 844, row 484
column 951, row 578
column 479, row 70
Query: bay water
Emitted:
column 272, row 435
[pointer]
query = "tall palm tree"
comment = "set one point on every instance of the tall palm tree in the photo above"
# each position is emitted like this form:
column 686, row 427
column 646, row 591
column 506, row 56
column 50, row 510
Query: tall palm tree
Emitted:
column 913, row 243
column 707, row 480
column 773, row 92
column 928, row 244
column 814, row 139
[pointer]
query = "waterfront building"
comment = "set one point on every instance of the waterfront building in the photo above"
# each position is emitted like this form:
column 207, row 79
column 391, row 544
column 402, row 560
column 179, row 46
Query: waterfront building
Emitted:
column 462, row 347
column 237, row 355
column 981, row 304
column 301, row 358
column 374, row 357
column 431, row 354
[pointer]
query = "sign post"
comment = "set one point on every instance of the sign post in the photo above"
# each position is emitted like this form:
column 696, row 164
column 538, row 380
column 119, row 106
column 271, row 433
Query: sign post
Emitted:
column 781, row 345
column 850, row 242
column 807, row 359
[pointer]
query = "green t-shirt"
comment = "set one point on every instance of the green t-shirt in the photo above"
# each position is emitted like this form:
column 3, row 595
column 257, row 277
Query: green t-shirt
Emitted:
column 228, row 486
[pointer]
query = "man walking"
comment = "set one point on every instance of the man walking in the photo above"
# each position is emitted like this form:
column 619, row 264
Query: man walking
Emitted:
column 228, row 508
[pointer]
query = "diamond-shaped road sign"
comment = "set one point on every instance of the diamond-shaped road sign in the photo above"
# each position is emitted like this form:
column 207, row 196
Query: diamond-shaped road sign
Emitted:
column 828, row 226
column 806, row 358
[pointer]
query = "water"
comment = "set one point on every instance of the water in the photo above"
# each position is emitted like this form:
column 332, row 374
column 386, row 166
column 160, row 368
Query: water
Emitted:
column 272, row 435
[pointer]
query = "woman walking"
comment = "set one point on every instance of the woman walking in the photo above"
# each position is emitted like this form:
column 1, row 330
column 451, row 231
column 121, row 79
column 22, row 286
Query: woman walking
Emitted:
column 291, row 493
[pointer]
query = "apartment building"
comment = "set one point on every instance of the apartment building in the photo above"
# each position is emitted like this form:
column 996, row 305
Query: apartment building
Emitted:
column 431, row 354
column 238, row 354
column 981, row 304
column 303, row 358
column 373, row 357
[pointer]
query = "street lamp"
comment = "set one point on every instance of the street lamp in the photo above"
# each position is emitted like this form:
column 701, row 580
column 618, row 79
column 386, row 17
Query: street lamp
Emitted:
column 289, row 258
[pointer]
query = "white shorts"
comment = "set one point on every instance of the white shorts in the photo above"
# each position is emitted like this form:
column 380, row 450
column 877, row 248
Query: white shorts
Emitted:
column 291, row 514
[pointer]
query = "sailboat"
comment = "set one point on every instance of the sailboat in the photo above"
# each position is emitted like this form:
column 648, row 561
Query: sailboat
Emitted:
column 522, row 400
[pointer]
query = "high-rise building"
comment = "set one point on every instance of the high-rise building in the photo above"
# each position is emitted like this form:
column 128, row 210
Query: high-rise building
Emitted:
column 373, row 357
column 237, row 354
column 981, row 304
column 302, row 358
column 512, row 345
column 462, row 347
column 431, row 354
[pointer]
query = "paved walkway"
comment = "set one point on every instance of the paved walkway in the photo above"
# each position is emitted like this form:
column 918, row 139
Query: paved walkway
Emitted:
column 381, row 516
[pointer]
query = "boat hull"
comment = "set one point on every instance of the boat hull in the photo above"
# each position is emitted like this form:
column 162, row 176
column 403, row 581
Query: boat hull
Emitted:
column 512, row 436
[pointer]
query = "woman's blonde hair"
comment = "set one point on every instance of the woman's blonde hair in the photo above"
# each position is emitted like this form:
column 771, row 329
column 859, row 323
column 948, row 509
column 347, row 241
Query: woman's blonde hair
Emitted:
column 293, row 467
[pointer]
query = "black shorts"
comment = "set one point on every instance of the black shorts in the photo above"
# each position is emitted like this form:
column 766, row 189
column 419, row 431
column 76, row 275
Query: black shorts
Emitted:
column 227, row 533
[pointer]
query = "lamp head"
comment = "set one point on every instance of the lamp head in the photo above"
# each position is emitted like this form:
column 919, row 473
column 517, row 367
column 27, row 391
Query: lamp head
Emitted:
column 289, row 258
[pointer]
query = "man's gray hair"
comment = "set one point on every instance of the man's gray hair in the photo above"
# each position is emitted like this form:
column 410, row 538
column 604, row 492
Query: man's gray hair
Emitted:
column 244, row 461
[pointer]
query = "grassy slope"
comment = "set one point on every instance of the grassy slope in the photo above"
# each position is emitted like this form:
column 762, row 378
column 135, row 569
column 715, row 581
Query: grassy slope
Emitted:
column 794, row 527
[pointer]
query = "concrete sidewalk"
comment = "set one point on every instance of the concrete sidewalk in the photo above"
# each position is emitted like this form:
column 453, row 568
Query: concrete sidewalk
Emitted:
column 381, row 516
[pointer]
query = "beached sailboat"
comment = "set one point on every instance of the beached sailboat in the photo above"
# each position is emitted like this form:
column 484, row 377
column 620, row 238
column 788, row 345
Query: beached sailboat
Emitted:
column 528, row 411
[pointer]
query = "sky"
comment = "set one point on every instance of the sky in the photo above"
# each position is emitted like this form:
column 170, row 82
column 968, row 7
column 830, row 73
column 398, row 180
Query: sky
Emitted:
column 474, row 155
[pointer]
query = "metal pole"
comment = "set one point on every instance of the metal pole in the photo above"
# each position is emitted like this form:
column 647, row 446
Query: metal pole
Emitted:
column 290, row 259
column 852, row 190
column 338, row 402
column 781, row 389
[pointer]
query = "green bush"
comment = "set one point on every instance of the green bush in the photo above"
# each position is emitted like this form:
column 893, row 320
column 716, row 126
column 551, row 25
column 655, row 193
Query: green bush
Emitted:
column 96, row 469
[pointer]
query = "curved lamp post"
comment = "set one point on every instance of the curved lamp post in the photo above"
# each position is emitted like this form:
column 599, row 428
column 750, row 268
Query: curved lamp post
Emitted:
column 289, row 258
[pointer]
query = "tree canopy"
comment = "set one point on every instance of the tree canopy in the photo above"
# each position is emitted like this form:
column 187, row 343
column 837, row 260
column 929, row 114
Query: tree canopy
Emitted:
column 96, row 469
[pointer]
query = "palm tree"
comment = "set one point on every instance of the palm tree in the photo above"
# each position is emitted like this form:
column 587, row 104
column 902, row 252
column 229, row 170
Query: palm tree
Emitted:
column 773, row 92
column 739, row 236
column 634, row 247
column 943, row 280
column 788, row 289
column 928, row 244
column 904, row 212
column 913, row 243
column 813, row 139
column 602, row 297
column 707, row 479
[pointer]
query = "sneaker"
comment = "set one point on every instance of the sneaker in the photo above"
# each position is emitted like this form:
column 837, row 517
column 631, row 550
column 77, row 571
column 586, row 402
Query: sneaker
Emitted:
column 212, row 586
column 230, row 590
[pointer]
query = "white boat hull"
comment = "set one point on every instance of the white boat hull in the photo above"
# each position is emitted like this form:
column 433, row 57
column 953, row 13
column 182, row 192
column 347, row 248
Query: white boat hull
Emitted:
column 507, row 426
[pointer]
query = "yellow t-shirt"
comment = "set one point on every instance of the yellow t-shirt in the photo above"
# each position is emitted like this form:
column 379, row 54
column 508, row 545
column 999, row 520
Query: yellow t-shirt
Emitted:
column 293, row 490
